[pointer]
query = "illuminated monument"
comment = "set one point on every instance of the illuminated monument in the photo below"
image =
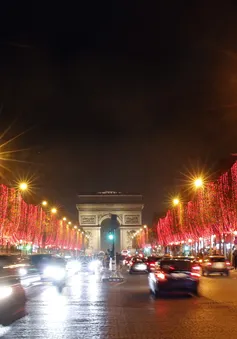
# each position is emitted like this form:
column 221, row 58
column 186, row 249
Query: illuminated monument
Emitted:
column 94, row 213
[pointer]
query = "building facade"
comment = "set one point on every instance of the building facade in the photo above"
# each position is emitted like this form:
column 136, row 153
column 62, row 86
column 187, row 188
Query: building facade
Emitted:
column 94, row 213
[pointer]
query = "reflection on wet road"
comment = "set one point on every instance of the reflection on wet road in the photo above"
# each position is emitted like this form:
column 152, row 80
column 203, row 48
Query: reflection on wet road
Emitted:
column 89, row 308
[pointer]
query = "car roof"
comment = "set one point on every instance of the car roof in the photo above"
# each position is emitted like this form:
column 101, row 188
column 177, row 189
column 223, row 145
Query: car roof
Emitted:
column 175, row 259
column 183, row 258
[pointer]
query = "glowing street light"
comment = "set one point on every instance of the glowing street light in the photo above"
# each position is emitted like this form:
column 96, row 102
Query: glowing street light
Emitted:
column 145, row 226
column 75, row 226
column 64, row 219
column 176, row 201
column 54, row 210
column 23, row 186
column 69, row 223
column 198, row 182
column 44, row 203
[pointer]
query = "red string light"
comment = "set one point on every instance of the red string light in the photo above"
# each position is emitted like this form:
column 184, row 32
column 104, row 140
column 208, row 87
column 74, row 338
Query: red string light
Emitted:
column 212, row 211
column 30, row 224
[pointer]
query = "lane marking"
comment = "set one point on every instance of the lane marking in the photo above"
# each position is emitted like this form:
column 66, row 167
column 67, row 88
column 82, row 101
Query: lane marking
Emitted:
column 119, row 283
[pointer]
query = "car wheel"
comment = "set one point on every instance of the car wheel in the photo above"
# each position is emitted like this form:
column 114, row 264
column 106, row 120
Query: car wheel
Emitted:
column 195, row 292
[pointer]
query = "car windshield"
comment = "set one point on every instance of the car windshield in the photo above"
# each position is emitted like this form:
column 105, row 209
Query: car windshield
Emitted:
column 175, row 265
column 58, row 261
column 38, row 259
column 138, row 260
column 218, row 259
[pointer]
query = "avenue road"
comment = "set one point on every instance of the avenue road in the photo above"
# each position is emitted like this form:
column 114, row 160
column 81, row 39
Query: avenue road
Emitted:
column 91, row 309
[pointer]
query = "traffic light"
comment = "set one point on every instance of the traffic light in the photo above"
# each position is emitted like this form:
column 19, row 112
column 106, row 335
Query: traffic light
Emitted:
column 111, row 236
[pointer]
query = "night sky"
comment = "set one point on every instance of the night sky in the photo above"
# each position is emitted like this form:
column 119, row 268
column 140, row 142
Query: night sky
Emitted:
column 124, row 96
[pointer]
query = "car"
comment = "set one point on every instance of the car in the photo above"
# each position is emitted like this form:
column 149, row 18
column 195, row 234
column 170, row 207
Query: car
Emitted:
column 22, row 267
column 175, row 275
column 215, row 264
column 40, row 261
column 12, row 298
column 90, row 265
column 137, row 265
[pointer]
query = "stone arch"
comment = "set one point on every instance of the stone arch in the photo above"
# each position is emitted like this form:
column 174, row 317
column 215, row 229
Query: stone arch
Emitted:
column 108, row 216
column 95, row 210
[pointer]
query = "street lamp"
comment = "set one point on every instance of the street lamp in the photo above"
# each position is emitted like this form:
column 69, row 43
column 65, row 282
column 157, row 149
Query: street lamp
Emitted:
column 145, row 226
column 69, row 223
column 54, row 210
column 64, row 219
column 44, row 203
column 176, row 201
column 75, row 226
column 23, row 186
column 198, row 183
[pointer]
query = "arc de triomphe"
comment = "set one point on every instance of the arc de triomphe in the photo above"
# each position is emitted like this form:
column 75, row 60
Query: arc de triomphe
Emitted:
column 94, row 213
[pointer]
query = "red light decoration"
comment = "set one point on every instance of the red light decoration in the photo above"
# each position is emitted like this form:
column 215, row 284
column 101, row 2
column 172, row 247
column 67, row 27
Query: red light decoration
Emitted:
column 212, row 211
column 22, row 223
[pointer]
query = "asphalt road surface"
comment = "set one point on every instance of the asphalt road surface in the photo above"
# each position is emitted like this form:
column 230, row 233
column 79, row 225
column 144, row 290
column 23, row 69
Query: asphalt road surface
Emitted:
column 89, row 308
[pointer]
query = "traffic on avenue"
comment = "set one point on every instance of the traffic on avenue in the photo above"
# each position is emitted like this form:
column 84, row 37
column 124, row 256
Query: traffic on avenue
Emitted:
column 47, row 296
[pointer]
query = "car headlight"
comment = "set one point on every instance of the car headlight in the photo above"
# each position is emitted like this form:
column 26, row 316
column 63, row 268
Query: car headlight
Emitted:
column 22, row 271
column 94, row 264
column 56, row 273
column 5, row 291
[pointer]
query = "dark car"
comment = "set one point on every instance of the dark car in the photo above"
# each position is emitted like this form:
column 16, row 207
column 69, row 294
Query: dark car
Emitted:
column 52, row 269
column 137, row 265
column 175, row 275
column 12, row 297
column 40, row 261
column 215, row 264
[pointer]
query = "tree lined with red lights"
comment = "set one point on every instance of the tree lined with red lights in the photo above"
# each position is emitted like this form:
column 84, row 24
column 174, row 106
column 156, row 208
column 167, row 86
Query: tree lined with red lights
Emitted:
column 213, row 210
column 22, row 223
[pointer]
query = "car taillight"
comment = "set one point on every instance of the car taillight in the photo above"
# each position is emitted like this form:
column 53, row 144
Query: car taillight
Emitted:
column 209, row 264
column 196, row 275
column 160, row 276
column 227, row 263
column 151, row 264
column 196, row 268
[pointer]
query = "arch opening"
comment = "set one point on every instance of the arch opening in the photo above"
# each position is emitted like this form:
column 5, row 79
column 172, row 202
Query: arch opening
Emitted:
column 106, row 243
